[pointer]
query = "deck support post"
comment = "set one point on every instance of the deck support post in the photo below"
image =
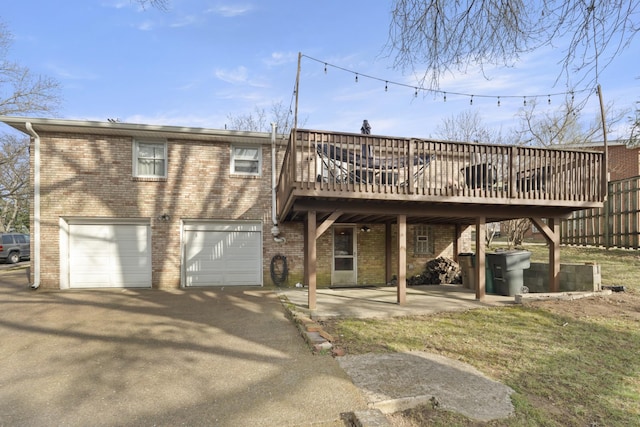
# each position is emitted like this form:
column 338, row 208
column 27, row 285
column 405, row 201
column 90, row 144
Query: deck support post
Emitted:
column 457, row 242
column 402, row 259
column 551, row 232
column 481, row 231
column 310, row 258
column 388, row 253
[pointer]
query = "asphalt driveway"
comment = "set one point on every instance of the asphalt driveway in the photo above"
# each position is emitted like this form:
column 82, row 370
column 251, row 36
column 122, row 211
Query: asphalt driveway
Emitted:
column 226, row 357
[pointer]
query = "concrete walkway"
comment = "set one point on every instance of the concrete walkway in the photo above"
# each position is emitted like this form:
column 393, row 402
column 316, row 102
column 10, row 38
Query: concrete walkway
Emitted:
column 219, row 357
column 382, row 301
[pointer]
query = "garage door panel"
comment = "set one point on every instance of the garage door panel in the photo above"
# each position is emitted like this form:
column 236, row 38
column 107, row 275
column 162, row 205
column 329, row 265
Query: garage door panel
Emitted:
column 109, row 255
column 223, row 255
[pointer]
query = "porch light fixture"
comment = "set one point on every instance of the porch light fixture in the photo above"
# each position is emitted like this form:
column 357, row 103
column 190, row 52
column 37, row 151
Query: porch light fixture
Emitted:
column 365, row 229
column 164, row 217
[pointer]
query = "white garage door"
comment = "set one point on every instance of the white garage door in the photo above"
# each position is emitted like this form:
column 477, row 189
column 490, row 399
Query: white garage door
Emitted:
column 223, row 254
column 109, row 256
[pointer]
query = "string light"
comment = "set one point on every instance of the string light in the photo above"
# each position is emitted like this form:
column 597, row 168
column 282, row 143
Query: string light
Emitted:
column 445, row 94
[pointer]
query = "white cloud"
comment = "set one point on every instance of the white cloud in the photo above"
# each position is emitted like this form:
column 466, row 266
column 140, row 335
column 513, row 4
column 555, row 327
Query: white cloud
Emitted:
column 185, row 21
column 238, row 75
column 67, row 73
column 229, row 11
column 145, row 26
column 280, row 58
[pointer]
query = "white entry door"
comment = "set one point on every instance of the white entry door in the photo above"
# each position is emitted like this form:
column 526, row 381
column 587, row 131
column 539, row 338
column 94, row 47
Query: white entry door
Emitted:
column 344, row 271
column 222, row 254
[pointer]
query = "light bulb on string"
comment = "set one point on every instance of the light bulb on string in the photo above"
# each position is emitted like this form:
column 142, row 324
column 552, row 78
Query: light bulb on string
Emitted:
column 471, row 100
column 415, row 94
column 498, row 101
column 386, row 86
column 356, row 77
column 525, row 101
column 325, row 68
column 445, row 97
column 548, row 99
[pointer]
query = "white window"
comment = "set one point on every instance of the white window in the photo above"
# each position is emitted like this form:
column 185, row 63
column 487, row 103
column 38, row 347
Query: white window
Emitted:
column 246, row 160
column 150, row 159
column 424, row 240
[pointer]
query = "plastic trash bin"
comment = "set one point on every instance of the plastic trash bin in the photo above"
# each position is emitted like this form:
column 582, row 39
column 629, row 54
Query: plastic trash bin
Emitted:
column 467, row 264
column 507, row 270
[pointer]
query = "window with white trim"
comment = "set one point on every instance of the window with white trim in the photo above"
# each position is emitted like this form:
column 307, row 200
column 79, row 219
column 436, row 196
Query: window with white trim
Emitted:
column 424, row 243
column 246, row 160
column 150, row 159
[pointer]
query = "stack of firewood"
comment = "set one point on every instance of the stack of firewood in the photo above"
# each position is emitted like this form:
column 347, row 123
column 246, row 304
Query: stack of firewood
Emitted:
column 436, row 272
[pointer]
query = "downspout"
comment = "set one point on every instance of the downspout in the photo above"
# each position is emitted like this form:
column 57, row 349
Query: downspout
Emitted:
column 275, row 231
column 36, row 206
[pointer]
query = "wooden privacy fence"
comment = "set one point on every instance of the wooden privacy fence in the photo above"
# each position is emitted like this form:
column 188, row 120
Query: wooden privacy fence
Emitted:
column 617, row 224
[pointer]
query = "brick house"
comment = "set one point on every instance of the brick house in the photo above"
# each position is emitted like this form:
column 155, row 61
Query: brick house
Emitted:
column 107, row 222
column 624, row 161
column 130, row 205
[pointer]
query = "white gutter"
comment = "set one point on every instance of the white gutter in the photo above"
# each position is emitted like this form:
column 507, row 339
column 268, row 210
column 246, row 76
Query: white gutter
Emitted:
column 35, row 261
column 275, row 231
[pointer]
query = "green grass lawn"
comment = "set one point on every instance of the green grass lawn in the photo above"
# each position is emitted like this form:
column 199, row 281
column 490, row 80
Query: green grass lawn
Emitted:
column 571, row 363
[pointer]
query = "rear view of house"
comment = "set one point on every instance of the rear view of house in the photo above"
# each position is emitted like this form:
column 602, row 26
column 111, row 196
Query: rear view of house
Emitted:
column 123, row 205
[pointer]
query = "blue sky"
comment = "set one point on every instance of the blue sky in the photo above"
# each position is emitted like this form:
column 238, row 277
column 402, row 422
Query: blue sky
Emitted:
column 201, row 61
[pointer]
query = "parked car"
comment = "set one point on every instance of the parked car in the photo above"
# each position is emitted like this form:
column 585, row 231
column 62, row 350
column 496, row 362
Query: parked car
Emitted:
column 14, row 247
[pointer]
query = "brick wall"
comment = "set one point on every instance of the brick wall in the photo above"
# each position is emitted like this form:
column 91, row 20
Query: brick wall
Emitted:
column 624, row 162
column 89, row 176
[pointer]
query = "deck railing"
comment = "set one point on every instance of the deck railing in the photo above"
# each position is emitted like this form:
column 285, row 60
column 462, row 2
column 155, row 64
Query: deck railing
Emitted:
column 325, row 162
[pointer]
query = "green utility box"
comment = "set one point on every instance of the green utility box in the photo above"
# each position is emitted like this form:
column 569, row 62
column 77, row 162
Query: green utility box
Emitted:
column 507, row 270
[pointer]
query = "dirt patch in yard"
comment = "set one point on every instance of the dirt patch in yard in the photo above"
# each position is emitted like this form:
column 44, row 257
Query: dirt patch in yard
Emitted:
column 617, row 305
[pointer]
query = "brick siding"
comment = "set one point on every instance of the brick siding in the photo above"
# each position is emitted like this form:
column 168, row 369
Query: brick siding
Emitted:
column 89, row 176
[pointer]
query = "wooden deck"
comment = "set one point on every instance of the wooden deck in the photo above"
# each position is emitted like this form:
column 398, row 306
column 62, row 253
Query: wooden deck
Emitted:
column 374, row 176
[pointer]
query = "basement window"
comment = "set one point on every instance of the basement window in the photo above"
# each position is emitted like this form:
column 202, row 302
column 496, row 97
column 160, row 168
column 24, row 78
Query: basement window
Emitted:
column 424, row 242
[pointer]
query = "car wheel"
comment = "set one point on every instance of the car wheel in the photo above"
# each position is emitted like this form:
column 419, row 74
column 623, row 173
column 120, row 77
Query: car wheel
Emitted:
column 14, row 257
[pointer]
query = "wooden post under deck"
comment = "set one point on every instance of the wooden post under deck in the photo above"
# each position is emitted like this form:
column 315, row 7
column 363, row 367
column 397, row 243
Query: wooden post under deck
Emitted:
column 310, row 258
column 388, row 252
column 551, row 232
column 480, row 258
column 402, row 259
column 554, row 255
column 457, row 242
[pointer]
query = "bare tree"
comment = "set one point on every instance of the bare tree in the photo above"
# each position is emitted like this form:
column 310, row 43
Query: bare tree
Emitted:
column 634, row 132
column 21, row 92
column 158, row 4
column 14, row 183
column 454, row 35
column 258, row 120
column 563, row 126
column 467, row 126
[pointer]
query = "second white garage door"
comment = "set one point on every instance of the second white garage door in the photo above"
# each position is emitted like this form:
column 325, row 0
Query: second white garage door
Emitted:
column 223, row 254
column 109, row 255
